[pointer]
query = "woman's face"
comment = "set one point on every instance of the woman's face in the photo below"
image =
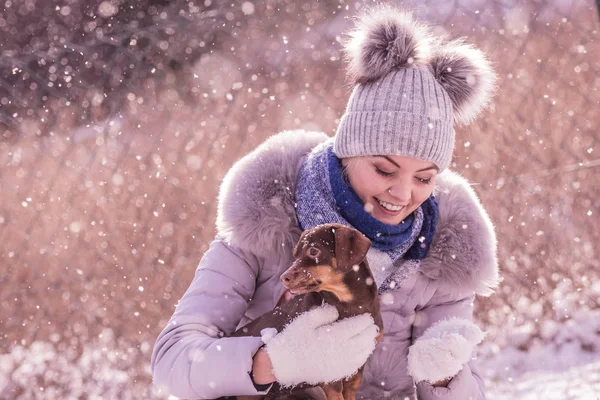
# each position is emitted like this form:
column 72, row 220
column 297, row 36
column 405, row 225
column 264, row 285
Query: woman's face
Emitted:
column 390, row 187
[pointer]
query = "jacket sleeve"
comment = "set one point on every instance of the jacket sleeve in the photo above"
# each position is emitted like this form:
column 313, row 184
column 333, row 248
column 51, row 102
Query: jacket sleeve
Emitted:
column 467, row 384
column 190, row 359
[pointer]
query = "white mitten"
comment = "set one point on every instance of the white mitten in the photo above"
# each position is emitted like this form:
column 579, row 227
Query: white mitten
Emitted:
column 443, row 350
column 315, row 349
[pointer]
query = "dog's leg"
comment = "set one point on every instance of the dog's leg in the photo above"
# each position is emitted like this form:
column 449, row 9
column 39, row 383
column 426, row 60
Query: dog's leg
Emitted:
column 312, row 393
column 351, row 385
column 333, row 391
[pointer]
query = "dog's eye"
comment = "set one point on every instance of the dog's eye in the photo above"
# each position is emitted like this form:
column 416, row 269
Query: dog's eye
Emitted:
column 313, row 252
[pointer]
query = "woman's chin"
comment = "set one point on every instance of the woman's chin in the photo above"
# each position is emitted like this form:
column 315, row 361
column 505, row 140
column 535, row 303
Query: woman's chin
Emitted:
column 387, row 217
column 389, row 220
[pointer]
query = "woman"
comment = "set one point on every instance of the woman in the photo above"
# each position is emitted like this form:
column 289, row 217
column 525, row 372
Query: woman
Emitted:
column 430, row 255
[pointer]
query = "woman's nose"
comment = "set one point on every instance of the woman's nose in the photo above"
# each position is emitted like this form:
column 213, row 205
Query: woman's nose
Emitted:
column 401, row 192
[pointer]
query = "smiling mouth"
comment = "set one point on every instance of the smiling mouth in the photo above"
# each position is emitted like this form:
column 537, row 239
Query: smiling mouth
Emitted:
column 389, row 208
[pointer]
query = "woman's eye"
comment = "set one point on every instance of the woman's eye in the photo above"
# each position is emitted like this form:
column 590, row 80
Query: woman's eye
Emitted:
column 424, row 181
column 383, row 173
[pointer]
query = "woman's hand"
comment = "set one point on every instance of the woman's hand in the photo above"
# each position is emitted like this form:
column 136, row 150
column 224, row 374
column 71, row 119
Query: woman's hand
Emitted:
column 315, row 349
column 262, row 369
column 442, row 351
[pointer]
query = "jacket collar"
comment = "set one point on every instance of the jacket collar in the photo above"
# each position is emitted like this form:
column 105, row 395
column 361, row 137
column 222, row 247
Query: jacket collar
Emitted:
column 256, row 213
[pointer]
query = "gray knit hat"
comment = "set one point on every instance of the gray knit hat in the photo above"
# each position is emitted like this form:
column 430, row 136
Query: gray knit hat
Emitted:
column 410, row 88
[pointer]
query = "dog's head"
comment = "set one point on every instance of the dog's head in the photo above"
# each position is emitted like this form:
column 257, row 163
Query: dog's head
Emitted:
column 324, row 254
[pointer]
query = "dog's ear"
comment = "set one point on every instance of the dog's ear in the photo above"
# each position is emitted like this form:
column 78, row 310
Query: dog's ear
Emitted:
column 351, row 247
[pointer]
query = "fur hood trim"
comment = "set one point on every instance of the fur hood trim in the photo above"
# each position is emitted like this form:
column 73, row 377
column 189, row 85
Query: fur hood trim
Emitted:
column 463, row 250
column 256, row 213
column 256, row 208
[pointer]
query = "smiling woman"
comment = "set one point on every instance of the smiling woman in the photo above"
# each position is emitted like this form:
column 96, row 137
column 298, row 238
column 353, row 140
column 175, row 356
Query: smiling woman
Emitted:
column 391, row 187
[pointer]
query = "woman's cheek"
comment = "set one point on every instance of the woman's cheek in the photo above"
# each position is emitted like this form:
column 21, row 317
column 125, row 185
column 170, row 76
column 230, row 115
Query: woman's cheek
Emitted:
column 425, row 193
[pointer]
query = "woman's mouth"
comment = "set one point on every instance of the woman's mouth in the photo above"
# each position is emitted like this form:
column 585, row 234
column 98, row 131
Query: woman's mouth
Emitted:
column 389, row 208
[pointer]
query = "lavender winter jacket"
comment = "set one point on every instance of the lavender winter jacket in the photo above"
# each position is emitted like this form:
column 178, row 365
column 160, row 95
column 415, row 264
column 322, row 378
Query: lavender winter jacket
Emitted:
column 238, row 280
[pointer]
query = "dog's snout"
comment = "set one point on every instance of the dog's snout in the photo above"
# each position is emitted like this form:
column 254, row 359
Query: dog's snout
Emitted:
column 285, row 278
column 288, row 276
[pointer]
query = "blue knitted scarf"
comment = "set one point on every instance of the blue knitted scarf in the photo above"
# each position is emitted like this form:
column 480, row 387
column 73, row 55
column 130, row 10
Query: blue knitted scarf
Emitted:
column 324, row 196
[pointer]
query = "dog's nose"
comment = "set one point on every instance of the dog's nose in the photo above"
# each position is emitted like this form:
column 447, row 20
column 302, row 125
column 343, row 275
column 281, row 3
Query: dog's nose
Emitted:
column 286, row 277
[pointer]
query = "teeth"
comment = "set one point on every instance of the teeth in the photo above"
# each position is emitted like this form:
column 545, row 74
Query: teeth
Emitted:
column 389, row 206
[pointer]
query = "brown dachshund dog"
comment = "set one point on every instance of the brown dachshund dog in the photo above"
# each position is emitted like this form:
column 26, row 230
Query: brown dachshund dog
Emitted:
column 329, row 267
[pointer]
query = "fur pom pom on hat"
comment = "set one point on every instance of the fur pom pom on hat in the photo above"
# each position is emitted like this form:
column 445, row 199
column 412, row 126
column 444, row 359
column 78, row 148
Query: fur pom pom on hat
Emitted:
column 467, row 76
column 410, row 88
column 384, row 40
